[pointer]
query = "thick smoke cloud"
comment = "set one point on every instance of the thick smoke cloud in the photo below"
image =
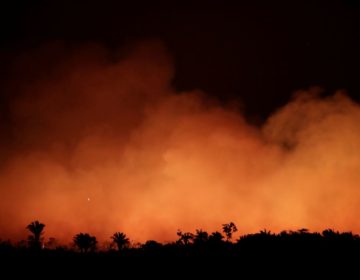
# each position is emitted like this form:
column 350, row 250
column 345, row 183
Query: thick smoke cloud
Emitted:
column 99, row 141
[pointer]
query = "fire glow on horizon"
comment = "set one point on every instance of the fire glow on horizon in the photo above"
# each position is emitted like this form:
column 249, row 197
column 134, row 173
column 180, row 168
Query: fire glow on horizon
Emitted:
column 102, row 143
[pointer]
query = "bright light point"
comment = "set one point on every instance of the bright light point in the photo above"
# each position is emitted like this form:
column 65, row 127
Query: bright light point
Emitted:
column 88, row 199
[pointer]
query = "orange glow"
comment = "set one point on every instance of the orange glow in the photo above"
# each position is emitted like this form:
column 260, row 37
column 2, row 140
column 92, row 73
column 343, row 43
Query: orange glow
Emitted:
column 104, row 143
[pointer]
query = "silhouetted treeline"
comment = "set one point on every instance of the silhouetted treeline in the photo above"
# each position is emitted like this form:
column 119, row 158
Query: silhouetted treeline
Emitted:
column 194, row 254
column 261, row 245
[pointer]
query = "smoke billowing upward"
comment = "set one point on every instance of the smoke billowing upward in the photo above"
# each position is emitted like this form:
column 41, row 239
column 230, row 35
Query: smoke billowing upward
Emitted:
column 100, row 141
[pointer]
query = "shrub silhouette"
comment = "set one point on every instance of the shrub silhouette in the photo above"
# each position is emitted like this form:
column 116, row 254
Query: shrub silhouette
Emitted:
column 52, row 243
column 151, row 245
column 85, row 242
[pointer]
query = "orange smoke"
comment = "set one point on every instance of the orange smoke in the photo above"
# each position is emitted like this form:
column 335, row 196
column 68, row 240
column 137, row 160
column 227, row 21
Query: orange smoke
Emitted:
column 101, row 142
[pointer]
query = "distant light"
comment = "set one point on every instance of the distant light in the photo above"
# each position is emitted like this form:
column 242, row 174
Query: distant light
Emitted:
column 88, row 199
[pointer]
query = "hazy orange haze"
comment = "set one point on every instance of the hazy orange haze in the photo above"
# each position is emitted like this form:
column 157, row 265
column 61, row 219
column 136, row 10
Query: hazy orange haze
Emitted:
column 101, row 142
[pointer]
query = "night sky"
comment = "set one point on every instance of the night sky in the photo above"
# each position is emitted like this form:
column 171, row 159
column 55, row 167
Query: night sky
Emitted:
column 257, row 54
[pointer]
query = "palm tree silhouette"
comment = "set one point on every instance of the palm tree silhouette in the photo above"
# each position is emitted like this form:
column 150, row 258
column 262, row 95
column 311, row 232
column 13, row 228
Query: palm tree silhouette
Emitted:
column 85, row 242
column 120, row 240
column 36, row 228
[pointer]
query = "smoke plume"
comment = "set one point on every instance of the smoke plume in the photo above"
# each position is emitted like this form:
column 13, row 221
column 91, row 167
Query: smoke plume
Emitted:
column 99, row 141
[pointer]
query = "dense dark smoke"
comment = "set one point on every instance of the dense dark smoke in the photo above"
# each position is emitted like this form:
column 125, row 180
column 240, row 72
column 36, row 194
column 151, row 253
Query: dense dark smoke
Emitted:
column 100, row 141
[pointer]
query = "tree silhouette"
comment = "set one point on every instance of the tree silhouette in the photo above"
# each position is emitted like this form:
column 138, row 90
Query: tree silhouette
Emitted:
column 36, row 228
column 85, row 242
column 120, row 240
column 201, row 237
column 216, row 237
column 185, row 238
column 229, row 229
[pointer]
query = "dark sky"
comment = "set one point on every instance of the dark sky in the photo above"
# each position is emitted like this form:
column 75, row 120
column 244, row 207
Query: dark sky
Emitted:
column 257, row 54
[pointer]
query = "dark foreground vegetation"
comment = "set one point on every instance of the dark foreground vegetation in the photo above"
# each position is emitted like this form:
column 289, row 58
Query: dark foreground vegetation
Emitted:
column 263, row 252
